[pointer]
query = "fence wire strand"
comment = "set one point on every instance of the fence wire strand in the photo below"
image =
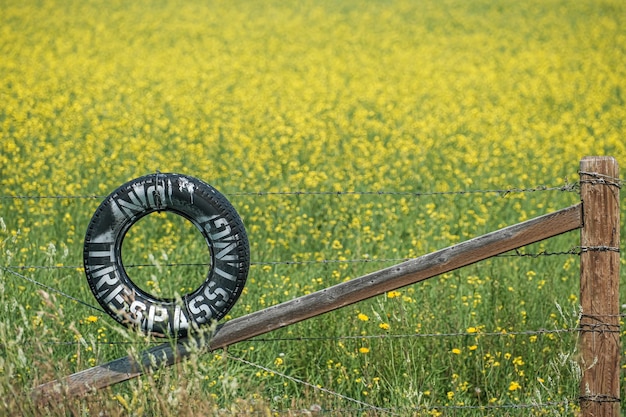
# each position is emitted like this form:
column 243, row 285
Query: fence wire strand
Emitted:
column 576, row 250
column 567, row 187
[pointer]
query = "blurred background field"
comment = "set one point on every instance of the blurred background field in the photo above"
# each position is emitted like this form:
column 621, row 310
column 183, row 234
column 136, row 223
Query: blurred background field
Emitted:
column 349, row 135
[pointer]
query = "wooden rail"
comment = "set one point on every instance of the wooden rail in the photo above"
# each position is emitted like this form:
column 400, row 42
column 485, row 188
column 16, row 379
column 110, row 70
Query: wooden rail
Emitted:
column 323, row 301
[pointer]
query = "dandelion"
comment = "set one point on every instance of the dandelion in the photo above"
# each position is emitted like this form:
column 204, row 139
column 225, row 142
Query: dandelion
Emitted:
column 364, row 350
column 92, row 319
column 384, row 326
column 456, row 351
column 363, row 317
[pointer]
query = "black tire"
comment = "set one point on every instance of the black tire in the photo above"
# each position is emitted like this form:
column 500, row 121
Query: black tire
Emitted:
column 215, row 218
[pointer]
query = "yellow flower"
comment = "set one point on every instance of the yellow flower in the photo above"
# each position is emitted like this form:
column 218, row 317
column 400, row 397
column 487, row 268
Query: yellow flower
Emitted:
column 456, row 351
column 92, row 319
column 363, row 317
column 364, row 350
column 278, row 361
column 337, row 245
column 514, row 386
column 384, row 326
column 393, row 294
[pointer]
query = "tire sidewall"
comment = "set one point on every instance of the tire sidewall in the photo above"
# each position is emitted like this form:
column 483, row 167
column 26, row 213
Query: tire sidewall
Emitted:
column 217, row 221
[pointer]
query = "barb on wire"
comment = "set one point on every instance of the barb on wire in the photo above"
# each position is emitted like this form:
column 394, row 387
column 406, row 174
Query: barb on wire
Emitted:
column 49, row 288
column 598, row 398
column 598, row 249
column 518, row 253
column 603, row 179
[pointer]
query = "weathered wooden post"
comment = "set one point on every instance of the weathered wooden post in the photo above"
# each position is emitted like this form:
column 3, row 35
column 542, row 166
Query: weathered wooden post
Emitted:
column 599, row 287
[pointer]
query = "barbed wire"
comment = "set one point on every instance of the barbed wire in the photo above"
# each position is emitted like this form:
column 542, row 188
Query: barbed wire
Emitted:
column 13, row 268
column 567, row 187
column 576, row 250
column 600, row 179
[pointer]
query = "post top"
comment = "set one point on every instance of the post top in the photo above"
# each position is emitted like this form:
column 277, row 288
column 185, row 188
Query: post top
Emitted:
column 605, row 165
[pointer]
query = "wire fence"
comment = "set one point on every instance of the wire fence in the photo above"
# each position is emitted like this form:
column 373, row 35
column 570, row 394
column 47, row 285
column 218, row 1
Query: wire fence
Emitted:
column 19, row 271
column 502, row 192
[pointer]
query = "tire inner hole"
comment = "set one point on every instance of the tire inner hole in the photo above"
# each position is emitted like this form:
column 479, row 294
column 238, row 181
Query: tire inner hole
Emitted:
column 165, row 255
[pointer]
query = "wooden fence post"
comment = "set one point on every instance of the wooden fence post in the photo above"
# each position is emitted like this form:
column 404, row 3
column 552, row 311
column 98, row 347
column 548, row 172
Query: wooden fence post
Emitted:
column 599, row 287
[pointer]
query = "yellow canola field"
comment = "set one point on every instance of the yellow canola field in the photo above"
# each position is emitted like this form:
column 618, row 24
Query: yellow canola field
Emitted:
column 328, row 95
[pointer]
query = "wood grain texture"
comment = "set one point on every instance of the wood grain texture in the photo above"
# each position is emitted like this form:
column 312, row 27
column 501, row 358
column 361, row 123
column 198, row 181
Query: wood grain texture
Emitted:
column 323, row 301
column 599, row 287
